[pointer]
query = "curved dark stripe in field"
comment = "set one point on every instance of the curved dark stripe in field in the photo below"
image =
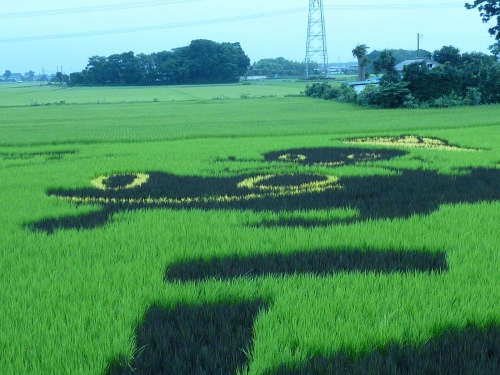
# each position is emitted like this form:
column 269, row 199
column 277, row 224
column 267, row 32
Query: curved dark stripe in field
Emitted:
column 471, row 351
column 314, row 262
column 84, row 221
column 204, row 339
column 410, row 192
column 333, row 156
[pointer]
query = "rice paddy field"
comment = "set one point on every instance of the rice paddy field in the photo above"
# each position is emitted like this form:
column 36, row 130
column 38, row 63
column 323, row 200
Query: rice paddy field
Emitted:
column 245, row 229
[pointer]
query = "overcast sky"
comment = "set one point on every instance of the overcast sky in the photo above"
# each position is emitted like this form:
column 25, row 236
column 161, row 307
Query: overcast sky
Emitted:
column 52, row 34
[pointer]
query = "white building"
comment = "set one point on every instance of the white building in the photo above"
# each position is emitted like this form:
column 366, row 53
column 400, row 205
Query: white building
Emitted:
column 431, row 64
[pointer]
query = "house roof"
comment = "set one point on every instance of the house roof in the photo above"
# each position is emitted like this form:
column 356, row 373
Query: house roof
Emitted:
column 430, row 63
column 374, row 81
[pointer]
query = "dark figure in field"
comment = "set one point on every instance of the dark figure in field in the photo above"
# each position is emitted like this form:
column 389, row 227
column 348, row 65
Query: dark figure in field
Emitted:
column 175, row 339
column 401, row 195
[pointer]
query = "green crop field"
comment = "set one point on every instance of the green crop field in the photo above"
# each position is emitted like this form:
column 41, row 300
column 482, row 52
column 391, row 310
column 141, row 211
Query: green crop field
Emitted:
column 245, row 229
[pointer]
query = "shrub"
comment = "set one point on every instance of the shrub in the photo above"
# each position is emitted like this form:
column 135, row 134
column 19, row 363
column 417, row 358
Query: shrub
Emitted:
column 367, row 96
column 391, row 95
column 411, row 102
column 473, row 96
column 446, row 101
column 317, row 90
column 347, row 94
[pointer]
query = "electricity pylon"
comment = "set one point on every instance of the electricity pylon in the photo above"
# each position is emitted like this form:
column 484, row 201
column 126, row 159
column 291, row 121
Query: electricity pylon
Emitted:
column 316, row 36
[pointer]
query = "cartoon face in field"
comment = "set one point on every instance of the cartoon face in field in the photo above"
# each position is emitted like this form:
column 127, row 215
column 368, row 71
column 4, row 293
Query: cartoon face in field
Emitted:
column 401, row 193
column 398, row 194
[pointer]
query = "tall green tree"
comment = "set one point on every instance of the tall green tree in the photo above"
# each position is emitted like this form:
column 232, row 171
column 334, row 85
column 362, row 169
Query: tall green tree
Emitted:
column 447, row 54
column 428, row 84
column 489, row 9
column 360, row 52
column 386, row 64
column 77, row 78
column 166, row 65
column 211, row 62
column 130, row 73
column 146, row 69
column 480, row 71
column 96, row 72
column 59, row 77
column 123, row 69
column 205, row 61
column 495, row 49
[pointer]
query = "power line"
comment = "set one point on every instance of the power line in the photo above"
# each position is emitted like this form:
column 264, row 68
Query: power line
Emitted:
column 152, row 3
column 92, row 9
column 155, row 27
column 186, row 23
column 395, row 6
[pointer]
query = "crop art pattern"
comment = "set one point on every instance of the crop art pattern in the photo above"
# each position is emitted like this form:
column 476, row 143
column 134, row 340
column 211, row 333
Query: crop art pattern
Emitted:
column 412, row 141
column 214, row 338
column 401, row 195
column 332, row 157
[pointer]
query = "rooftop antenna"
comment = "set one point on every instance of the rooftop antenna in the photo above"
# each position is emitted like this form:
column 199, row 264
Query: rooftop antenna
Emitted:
column 316, row 36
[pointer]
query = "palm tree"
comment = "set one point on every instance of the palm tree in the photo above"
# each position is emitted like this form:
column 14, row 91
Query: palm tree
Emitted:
column 360, row 53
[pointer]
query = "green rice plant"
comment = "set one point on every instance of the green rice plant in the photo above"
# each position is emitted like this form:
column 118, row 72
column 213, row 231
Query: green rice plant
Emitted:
column 75, row 298
column 33, row 94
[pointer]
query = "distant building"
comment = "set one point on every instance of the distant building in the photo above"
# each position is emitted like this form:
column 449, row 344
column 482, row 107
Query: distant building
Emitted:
column 359, row 86
column 334, row 70
column 252, row 78
column 12, row 78
column 431, row 64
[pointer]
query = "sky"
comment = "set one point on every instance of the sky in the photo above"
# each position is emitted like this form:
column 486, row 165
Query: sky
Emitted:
column 61, row 35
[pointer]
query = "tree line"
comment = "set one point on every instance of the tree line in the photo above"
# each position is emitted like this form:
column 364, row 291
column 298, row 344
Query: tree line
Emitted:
column 461, row 79
column 201, row 62
column 274, row 67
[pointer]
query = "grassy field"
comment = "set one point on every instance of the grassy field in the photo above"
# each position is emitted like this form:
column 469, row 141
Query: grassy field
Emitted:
column 139, row 222
column 34, row 94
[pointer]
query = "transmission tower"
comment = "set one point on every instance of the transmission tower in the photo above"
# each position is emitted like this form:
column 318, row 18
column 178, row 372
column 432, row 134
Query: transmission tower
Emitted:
column 316, row 36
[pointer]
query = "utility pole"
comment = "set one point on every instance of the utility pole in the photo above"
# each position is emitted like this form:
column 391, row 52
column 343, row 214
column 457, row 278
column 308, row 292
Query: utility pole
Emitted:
column 418, row 44
column 316, row 36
